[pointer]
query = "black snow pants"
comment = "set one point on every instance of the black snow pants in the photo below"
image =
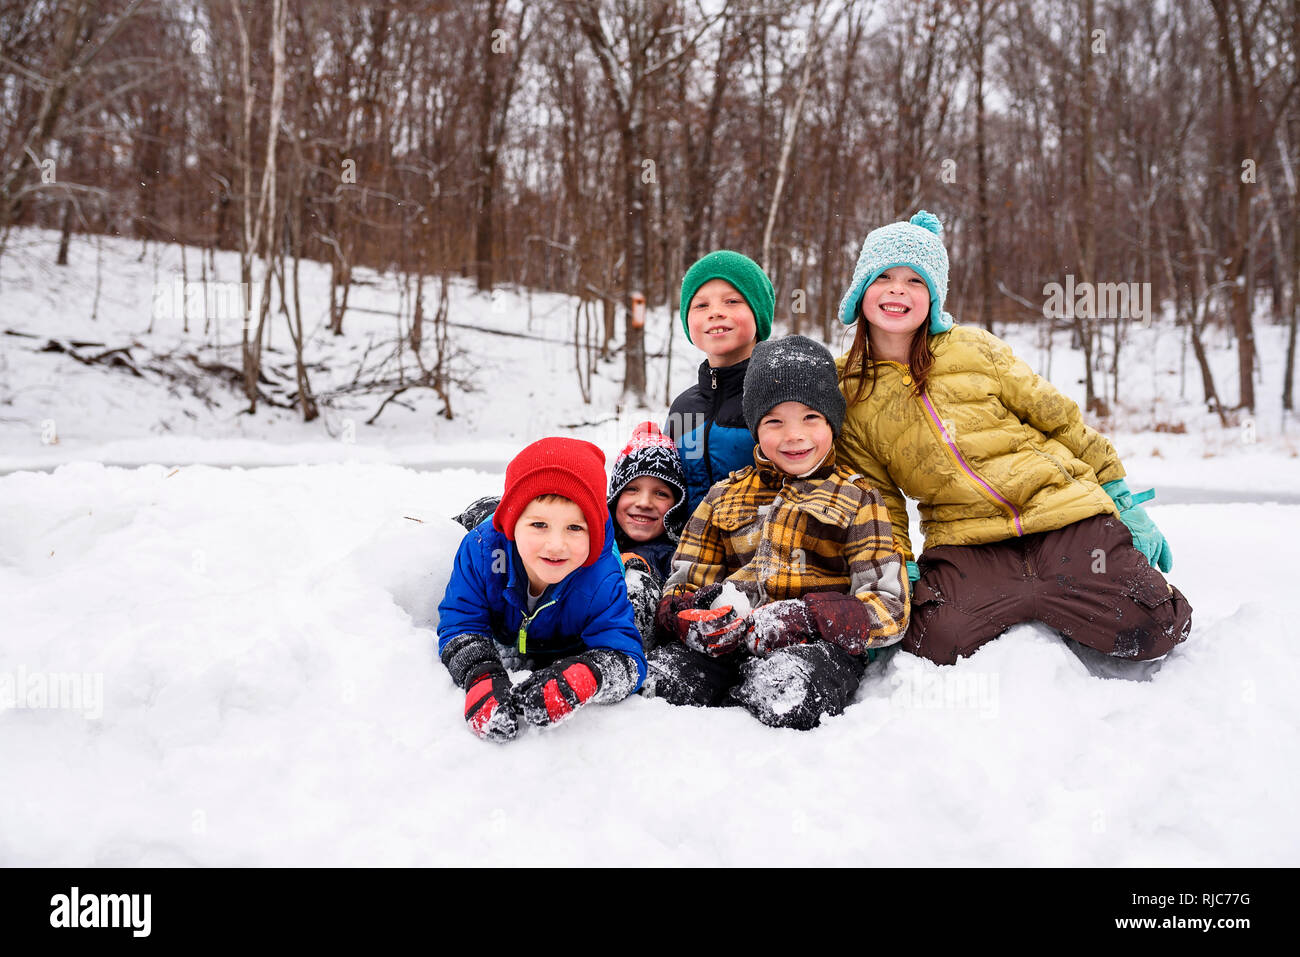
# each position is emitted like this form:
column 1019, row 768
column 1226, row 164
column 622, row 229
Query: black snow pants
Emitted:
column 790, row 688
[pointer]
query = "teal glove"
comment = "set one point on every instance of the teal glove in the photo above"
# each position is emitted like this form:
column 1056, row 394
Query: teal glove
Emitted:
column 1146, row 537
column 913, row 574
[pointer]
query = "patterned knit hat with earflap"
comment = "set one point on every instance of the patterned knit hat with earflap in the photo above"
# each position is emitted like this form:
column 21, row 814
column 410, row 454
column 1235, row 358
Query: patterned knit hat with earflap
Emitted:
column 916, row 244
column 652, row 454
column 561, row 466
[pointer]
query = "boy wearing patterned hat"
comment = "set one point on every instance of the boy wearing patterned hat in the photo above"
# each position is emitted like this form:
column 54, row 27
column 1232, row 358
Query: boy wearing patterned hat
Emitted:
column 787, row 578
column 538, row 586
column 726, row 307
column 647, row 499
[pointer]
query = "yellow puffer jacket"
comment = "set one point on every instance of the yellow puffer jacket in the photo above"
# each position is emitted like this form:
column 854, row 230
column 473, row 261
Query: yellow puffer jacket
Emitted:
column 989, row 451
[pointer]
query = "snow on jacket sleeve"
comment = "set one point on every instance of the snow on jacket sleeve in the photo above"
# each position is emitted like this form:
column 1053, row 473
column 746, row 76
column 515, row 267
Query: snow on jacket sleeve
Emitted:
column 611, row 623
column 1037, row 402
column 851, row 450
column 464, row 608
column 874, row 612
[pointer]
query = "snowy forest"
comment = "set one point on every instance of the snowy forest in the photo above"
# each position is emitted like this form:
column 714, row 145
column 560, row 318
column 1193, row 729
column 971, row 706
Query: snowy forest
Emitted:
column 597, row 149
column 285, row 284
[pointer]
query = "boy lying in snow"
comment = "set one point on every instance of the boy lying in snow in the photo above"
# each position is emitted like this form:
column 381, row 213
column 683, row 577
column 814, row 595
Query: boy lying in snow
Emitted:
column 647, row 501
column 806, row 544
column 537, row 586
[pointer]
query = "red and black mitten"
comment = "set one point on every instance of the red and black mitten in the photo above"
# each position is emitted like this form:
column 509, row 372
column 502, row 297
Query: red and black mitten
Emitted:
column 489, row 706
column 710, row 631
column 551, row 694
column 841, row 619
column 779, row 624
column 713, row 631
column 666, row 621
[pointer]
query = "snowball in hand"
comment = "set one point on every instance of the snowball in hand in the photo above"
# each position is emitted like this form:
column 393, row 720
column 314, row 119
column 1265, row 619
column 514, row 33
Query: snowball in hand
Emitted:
column 733, row 596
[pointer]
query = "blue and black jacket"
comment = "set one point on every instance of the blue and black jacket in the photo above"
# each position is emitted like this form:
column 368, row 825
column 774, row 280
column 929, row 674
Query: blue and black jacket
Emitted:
column 707, row 422
column 488, row 595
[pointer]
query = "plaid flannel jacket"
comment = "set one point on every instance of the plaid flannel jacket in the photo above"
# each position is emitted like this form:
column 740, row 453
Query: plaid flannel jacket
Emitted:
column 775, row 536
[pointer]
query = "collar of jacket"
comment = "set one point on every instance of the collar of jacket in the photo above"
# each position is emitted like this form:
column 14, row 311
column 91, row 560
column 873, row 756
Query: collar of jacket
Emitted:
column 727, row 375
column 772, row 476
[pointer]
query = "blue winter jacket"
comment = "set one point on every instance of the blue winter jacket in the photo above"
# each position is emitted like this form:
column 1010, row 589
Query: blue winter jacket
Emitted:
column 707, row 422
column 488, row 595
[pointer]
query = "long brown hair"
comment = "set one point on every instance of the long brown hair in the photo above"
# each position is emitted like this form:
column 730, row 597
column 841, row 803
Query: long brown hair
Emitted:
column 859, row 362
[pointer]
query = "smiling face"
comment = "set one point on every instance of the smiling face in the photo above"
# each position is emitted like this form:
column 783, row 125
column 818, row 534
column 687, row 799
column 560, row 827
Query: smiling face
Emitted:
column 794, row 437
column 896, row 303
column 552, row 540
column 721, row 323
column 641, row 508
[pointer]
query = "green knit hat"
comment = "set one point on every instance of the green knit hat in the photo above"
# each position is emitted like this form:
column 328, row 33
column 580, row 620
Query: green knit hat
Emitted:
column 743, row 273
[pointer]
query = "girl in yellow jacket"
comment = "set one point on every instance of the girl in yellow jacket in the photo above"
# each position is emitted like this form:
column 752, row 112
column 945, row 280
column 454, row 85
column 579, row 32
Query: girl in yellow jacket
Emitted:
column 1024, row 508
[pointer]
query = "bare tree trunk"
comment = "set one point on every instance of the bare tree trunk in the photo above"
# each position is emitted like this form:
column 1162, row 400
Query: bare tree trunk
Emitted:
column 268, row 228
column 246, row 238
column 1293, row 281
column 1202, row 294
column 65, row 235
column 792, row 129
column 699, row 147
column 1088, row 241
column 487, row 152
column 1242, row 125
column 982, row 171
column 834, row 188
column 635, row 245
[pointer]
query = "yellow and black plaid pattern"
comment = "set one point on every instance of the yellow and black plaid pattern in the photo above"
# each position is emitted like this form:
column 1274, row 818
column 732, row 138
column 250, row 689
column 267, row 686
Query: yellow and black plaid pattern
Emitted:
column 776, row 536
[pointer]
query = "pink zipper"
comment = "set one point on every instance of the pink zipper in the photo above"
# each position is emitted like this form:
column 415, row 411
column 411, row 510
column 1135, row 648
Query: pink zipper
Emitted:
column 961, row 460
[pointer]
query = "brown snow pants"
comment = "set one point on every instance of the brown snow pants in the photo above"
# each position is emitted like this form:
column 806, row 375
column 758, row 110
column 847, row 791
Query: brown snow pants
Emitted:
column 1085, row 580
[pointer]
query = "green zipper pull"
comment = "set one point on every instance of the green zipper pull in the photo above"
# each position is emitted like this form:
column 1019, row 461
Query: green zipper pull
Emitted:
column 523, row 626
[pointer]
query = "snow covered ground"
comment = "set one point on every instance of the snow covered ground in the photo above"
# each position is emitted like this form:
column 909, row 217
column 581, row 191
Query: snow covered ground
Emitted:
column 270, row 695
column 232, row 666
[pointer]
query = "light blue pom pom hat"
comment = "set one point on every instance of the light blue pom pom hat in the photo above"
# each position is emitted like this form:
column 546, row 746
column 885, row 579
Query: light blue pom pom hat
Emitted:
column 915, row 243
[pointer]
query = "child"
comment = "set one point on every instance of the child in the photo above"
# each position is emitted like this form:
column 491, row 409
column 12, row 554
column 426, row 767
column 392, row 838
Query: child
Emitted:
column 647, row 499
column 1025, row 509
column 538, row 586
column 803, row 542
column 727, row 305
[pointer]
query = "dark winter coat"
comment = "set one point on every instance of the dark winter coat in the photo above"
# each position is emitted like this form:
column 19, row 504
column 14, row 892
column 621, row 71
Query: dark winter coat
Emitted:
column 658, row 552
column 707, row 422
column 488, row 595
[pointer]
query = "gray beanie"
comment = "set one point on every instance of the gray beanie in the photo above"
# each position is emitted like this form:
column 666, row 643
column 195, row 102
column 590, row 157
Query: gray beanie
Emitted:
column 793, row 369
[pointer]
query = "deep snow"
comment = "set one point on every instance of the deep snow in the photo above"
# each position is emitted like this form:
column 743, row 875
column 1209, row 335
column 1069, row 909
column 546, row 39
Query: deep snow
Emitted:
column 255, row 659
column 271, row 696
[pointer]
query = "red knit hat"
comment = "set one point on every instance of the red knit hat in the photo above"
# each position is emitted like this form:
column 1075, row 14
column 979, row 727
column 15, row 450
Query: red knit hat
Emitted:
column 569, row 467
